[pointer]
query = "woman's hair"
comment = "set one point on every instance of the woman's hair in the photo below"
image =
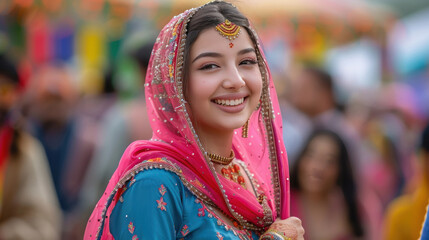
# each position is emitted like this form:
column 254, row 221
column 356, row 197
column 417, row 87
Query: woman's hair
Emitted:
column 424, row 139
column 345, row 179
column 208, row 16
column 9, row 71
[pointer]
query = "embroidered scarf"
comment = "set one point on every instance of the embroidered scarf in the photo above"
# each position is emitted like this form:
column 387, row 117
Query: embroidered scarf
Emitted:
column 175, row 146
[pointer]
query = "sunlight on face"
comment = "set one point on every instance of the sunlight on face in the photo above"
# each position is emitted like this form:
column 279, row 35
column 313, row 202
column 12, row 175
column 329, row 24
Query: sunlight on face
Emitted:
column 225, row 83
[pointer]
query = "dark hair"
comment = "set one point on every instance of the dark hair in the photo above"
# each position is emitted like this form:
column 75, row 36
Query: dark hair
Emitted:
column 8, row 69
column 323, row 78
column 108, row 80
column 424, row 141
column 209, row 16
column 345, row 179
column 142, row 54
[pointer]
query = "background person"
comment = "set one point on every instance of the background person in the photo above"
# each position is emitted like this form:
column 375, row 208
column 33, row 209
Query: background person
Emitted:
column 405, row 215
column 29, row 208
column 324, row 192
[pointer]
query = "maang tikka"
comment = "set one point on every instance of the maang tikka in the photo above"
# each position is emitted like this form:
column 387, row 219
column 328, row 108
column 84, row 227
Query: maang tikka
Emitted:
column 229, row 30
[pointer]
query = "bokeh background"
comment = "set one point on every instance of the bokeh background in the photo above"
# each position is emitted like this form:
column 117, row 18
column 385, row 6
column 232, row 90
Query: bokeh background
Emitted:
column 81, row 87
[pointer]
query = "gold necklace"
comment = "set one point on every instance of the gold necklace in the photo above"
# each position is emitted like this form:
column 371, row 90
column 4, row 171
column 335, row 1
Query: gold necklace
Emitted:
column 221, row 160
column 229, row 171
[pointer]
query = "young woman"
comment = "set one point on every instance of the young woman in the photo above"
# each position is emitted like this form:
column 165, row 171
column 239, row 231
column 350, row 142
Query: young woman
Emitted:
column 216, row 166
column 323, row 189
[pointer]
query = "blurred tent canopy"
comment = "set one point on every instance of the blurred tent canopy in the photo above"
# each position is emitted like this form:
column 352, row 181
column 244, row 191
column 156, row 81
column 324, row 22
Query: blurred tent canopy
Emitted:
column 342, row 20
column 95, row 32
column 359, row 16
column 310, row 26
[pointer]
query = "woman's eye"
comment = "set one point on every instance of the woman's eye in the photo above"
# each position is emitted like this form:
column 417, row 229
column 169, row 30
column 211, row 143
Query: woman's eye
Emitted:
column 208, row 67
column 310, row 154
column 248, row 62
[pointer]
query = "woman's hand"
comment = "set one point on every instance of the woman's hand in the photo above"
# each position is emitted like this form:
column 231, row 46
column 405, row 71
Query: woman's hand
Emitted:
column 290, row 228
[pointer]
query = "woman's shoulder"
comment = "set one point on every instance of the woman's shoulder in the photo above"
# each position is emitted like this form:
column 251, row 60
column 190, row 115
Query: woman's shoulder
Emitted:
column 149, row 185
column 157, row 176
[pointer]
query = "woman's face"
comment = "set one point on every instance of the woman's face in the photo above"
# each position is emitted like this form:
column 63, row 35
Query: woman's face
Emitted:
column 225, row 83
column 319, row 166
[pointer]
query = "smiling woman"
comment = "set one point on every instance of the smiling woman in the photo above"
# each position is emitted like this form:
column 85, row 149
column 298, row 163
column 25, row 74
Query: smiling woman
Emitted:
column 225, row 86
column 216, row 167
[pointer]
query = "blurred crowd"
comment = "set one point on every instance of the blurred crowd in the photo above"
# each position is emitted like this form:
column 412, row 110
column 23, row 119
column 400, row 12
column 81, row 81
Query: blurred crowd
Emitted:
column 359, row 166
column 73, row 143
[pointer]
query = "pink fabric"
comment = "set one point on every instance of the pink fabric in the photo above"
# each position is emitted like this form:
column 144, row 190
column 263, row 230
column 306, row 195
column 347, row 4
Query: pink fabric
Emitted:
column 175, row 140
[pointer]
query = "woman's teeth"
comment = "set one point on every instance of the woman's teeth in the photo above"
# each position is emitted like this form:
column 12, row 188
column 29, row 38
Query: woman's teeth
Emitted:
column 234, row 102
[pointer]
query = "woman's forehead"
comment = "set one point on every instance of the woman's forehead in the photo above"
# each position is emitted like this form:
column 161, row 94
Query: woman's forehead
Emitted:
column 210, row 40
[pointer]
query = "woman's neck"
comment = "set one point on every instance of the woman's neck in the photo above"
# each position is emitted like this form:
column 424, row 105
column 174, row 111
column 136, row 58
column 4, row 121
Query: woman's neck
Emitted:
column 219, row 143
column 320, row 197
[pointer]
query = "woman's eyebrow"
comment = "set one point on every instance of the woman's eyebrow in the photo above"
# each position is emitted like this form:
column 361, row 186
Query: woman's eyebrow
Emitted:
column 246, row 50
column 207, row 54
column 215, row 54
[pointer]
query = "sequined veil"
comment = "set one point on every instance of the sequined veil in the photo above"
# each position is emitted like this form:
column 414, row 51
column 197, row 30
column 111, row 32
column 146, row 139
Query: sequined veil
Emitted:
column 175, row 145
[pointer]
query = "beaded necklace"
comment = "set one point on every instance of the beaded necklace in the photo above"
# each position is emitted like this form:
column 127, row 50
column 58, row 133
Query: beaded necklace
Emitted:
column 230, row 170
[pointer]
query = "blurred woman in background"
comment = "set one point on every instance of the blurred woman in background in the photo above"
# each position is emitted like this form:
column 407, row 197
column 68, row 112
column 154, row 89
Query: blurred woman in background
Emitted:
column 323, row 191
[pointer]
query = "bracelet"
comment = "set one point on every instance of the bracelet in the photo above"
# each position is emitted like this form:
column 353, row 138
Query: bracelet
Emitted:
column 272, row 235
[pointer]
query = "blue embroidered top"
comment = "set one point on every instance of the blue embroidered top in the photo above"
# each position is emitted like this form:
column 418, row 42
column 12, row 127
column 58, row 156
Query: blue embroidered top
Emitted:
column 156, row 205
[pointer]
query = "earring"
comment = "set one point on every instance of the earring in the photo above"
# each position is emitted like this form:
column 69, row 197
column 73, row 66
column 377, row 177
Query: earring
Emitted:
column 245, row 130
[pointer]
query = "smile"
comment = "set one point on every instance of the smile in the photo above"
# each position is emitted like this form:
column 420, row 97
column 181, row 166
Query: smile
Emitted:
column 229, row 102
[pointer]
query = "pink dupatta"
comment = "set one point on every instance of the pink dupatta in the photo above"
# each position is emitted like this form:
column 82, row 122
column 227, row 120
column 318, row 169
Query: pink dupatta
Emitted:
column 175, row 146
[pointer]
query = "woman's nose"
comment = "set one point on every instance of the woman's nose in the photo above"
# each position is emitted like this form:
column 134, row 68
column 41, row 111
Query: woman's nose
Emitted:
column 233, row 78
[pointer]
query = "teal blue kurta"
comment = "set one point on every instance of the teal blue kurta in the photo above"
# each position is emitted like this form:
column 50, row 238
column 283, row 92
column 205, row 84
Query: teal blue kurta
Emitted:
column 156, row 205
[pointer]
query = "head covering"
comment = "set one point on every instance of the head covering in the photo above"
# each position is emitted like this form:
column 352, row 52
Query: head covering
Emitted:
column 175, row 145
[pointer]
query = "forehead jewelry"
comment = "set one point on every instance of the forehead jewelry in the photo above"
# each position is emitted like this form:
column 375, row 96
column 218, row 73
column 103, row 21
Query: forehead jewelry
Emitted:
column 229, row 30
